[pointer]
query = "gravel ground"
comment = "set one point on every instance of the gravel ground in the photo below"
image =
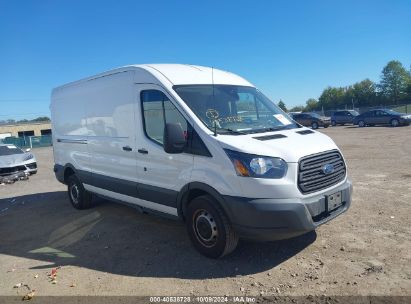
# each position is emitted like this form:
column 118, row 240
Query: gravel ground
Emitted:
column 112, row 249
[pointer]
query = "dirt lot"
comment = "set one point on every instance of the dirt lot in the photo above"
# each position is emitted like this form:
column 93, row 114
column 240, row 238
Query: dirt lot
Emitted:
column 114, row 250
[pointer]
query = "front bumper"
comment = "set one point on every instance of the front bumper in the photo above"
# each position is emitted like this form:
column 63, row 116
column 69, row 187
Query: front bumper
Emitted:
column 405, row 121
column 25, row 167
column 31, row 168
column 59, row 173
column 275, row 219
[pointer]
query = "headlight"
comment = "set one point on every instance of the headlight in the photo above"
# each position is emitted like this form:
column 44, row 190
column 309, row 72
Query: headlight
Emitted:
column 29, row 156
column 257, row 166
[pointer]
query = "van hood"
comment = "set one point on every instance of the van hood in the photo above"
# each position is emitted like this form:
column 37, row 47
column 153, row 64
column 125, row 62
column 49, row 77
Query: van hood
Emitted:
column 291, row 146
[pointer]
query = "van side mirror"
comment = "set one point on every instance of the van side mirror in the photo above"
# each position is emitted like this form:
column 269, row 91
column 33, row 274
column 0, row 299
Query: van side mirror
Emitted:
column 173, row 139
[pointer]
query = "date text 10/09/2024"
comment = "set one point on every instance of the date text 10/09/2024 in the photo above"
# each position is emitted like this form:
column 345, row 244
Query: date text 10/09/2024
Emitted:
column 204, row 299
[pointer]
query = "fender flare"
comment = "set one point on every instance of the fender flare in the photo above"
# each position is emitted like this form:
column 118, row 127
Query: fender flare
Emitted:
column 60, row 171
column 83, row 176
column 183, row 196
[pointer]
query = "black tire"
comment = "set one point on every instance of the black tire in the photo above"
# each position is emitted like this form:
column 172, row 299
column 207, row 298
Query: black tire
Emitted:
column 326, row 126
column 361, row 123
column 209, row 228
column 79, row 197
column 394, row 123
column 314, row 125
column 333, row 123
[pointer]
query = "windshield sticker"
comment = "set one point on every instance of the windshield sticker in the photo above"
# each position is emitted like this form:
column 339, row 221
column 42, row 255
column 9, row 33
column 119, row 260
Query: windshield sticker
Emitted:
column 230, row 119
column 212, row 114
column 282, row 119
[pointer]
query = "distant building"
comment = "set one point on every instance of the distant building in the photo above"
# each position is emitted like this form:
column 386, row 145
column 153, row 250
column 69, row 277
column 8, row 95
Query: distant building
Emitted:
column 25, row 129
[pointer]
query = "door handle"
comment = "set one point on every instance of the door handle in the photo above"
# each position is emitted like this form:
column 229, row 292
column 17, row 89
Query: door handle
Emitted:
column 127, row 148
column 142, row 151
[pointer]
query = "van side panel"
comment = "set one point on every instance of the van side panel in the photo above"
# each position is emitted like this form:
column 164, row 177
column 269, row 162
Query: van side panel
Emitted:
column 110, row 121
column 70, row 131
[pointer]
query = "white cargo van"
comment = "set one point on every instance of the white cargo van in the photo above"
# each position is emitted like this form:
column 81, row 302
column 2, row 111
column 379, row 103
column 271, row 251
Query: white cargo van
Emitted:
column 200, row 144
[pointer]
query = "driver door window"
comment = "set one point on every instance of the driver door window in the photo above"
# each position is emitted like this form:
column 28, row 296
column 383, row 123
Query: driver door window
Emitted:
column 157, row 111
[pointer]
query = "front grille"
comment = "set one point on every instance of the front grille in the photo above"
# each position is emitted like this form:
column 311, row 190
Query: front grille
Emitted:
column 11, row 170
column 311, row 176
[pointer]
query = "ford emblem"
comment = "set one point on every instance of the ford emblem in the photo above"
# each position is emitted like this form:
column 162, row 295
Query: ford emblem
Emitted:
column 328, row 168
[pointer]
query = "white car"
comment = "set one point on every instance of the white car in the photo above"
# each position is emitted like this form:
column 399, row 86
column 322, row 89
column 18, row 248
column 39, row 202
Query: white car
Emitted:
column 14, row 160
column 199, row 144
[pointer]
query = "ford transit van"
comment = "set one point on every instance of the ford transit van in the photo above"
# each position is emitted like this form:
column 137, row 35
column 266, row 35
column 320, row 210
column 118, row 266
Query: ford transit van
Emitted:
column 199, row 144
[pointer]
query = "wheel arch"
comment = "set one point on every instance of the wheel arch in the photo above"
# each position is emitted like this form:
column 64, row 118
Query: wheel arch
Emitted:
column 68, row 171
column 193, row 190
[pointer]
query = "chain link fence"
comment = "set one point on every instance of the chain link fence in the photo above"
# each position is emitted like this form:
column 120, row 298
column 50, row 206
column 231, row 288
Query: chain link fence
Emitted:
column 29, row 141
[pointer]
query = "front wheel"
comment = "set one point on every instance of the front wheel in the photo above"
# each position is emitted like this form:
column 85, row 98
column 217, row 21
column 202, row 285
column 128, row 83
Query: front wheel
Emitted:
column 394, row 123
column 333, row 123
column 209, row 228
column 361, row 123
column 79, row 197
column 314, row 125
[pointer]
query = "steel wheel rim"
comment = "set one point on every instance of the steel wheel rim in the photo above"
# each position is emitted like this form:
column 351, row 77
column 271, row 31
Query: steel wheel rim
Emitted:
column 205, row 228
column 74, row 193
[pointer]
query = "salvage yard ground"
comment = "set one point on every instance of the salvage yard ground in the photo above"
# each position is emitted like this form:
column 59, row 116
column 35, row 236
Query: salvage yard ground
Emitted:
column 114, row 250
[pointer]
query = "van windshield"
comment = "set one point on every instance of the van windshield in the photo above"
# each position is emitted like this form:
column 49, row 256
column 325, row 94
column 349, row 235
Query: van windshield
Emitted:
column 234, row 109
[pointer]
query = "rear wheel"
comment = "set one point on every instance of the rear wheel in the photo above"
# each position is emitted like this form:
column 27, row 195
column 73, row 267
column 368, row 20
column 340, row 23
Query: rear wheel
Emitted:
column 209, row 228
column 314, row 125
column 79, row 197
column 361, row 123
column 395, row 123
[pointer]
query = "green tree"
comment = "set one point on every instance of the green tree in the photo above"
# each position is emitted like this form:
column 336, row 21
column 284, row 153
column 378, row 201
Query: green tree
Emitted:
column 41, row 118
column 364, row 93
column 282, row 106
column 311, row 105
column 394, row 81
column 297, row 109
column 332, row 98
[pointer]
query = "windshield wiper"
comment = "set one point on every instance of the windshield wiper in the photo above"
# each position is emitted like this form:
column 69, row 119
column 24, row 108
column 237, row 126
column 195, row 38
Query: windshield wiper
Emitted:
column 232, row 131
column 269, row 129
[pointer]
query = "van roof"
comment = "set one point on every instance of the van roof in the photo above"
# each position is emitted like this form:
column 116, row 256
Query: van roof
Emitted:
column 176, row 74
column 179, row 74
